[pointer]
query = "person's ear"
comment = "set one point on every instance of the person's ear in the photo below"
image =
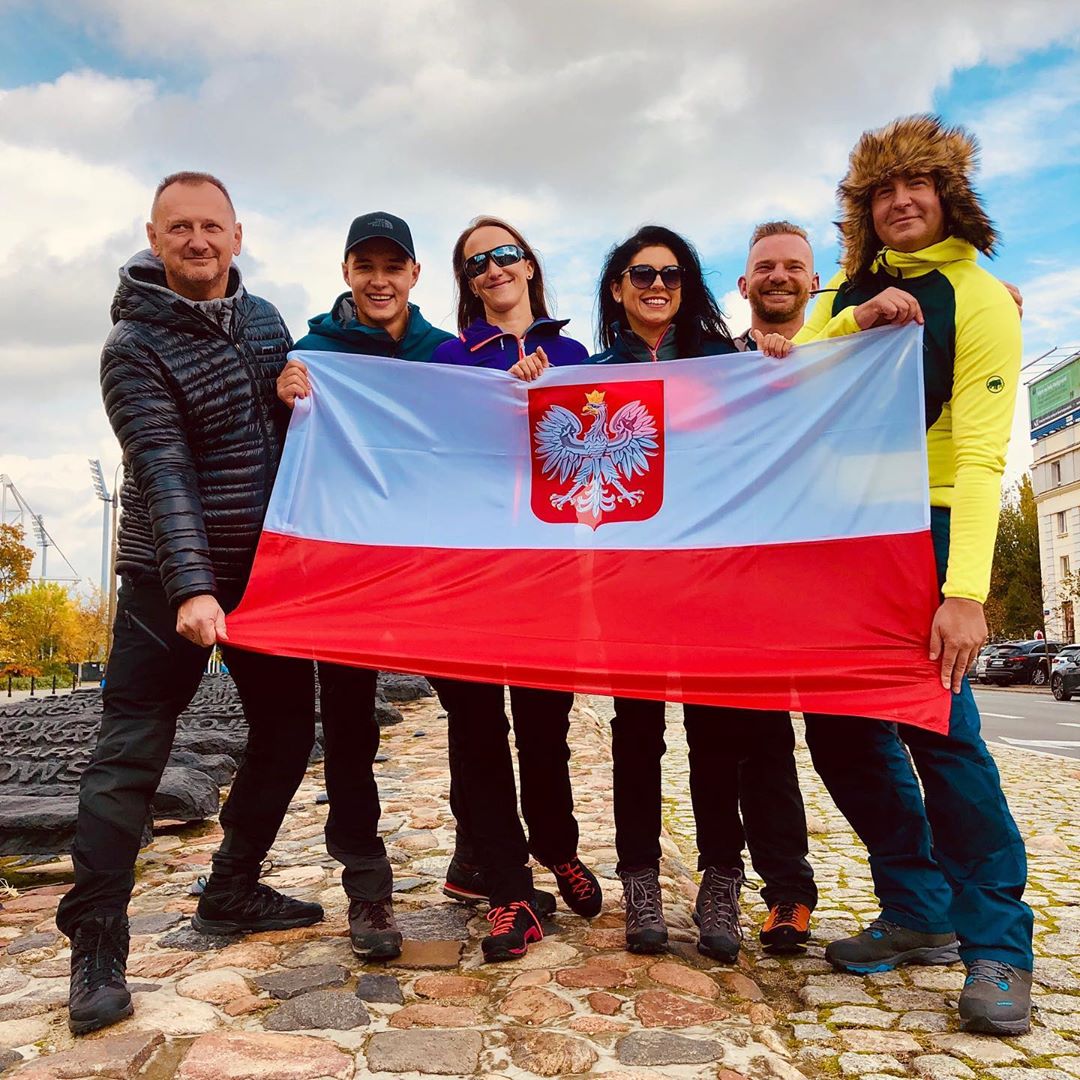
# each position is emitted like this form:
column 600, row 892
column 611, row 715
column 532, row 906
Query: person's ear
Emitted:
column 238, row 238
column 742, row 287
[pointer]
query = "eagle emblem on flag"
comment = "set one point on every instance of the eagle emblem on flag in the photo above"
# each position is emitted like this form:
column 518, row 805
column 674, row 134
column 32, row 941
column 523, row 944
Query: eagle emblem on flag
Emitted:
column 594, row 461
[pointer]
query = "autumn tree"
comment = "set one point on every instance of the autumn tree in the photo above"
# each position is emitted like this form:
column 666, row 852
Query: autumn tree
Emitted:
column 90, row 639
column 1014, row 607
column 15, row 560
column 40, row 627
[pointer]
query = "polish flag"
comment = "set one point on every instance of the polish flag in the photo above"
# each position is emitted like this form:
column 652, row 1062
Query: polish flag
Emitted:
column 729, row 530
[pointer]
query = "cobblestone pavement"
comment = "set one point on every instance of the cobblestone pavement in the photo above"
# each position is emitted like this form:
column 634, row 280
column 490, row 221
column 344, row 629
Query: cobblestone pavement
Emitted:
column 298, row 1006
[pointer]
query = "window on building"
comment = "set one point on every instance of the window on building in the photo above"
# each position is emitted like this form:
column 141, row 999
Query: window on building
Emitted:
column 1055, row 472
column 1064, row 566
column 1062, row 522
column 1067, row 618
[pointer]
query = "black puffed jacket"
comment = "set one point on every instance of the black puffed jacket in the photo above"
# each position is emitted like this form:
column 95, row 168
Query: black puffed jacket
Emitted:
column 189, row 389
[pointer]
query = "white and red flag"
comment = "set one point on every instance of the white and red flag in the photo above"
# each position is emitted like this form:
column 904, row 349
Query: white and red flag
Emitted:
column 731, row 530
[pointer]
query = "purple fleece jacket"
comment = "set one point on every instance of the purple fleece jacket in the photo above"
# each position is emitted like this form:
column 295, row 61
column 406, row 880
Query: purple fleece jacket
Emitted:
column 484, row 345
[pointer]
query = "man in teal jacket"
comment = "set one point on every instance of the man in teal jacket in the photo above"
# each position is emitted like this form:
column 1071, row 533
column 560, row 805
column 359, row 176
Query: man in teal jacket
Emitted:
column 373, row 318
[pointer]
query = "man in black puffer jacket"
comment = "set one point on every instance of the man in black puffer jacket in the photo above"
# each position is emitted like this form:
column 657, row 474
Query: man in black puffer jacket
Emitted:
column 188, row 376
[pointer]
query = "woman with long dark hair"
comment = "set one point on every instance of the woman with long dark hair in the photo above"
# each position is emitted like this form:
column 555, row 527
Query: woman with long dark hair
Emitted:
column 504, row 322
column 654, row 305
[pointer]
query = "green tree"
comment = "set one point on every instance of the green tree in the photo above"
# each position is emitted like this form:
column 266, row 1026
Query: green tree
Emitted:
column 1014, row 607
column 15, row 560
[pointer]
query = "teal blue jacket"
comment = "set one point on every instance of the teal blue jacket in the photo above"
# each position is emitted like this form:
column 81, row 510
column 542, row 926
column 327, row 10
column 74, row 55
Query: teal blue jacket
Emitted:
column 339, row 331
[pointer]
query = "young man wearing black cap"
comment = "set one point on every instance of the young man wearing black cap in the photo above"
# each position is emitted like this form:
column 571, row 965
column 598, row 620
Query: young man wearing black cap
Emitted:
column 373, row 318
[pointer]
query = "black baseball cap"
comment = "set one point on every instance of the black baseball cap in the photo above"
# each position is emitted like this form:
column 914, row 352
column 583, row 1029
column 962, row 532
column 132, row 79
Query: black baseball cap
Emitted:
column 380, row 224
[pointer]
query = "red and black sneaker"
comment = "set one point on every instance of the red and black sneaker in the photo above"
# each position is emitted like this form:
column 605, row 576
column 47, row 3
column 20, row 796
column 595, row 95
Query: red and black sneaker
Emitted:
column 578, row 887
column 514, row 927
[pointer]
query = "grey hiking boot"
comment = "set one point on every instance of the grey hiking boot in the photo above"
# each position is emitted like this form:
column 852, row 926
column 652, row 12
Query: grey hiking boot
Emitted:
column 717, row 914
column 646, row 931
column 883, row 946
column 996, row 999
column 372, row 929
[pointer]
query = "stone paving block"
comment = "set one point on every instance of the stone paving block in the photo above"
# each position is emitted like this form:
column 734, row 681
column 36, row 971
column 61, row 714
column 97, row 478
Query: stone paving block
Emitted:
column 337, row 1010
column 289, row 984
column 880, row 1042
column 1042, row 1041
column 1027, row 1073
column 156, row 922
column 119, row 1057
column 861, row 1016
column 451, row 989
column 981, row 1048
column 379, row 989
column 548, row 1054
column 444, row 1053
column 435, row 1016
column 924, row 1021
column 663, row 1048
column 861, row 1064
column 534, row 1005
column 659, row 1008
column 679, row 977
column 262, row 1055
column 216, row 987
column 942, row 1067
column 432, row 955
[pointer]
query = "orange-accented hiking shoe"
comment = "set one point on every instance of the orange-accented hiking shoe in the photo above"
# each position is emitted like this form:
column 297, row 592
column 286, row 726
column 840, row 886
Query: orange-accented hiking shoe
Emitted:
column 514, row 927
column 787, row 928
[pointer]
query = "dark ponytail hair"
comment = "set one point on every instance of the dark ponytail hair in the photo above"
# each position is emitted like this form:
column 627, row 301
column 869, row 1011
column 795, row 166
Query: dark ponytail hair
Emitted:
column 469, row 306
column 699, row 318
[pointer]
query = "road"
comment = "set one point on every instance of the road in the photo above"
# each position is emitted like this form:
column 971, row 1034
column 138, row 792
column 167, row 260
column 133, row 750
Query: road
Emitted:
column 1030, row 720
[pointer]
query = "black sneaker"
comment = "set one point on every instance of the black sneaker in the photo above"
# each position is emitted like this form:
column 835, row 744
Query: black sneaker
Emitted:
column 578, row 887
column 996, row 999
column 465, row 884
column 883, row 946
column 717, row 914
column 646, row 931
column 514, row 928
column 98, row 994
column 372, row 929
column 241, row 904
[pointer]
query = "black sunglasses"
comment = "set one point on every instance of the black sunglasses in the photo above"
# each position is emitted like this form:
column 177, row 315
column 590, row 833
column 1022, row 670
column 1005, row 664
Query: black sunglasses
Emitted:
column 504, row 255
column 642, row 276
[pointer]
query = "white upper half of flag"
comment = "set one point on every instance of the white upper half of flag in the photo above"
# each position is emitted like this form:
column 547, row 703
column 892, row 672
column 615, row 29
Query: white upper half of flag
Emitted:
column 828, row 443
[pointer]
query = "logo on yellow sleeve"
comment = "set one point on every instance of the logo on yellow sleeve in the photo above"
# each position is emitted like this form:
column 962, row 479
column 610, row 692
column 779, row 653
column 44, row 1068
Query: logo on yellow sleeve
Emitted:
column 995, row 384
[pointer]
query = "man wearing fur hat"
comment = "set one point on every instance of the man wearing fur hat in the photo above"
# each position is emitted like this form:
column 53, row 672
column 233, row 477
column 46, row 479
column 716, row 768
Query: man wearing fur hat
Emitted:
column 951, row 865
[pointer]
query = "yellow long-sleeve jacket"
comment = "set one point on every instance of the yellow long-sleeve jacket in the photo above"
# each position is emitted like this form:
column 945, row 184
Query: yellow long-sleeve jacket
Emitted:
column 971, row 368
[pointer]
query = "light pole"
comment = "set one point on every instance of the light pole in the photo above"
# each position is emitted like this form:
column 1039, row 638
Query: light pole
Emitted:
column 43, row 540
column 102, row 492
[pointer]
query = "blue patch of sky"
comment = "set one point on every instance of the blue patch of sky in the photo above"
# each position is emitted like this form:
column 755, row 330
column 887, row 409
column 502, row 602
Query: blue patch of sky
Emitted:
column 39, row 43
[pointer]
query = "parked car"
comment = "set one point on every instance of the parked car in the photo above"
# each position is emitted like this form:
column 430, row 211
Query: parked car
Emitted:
column 1022, row 662
column 983, row 658
column 1065, row 673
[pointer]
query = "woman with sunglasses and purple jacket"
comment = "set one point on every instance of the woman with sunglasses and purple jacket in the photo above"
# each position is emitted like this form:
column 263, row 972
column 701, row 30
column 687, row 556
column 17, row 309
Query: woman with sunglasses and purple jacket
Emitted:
column 654, row 305
column 504, row 323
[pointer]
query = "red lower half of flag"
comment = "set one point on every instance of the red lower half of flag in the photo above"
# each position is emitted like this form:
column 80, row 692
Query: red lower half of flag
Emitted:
column 830, row 626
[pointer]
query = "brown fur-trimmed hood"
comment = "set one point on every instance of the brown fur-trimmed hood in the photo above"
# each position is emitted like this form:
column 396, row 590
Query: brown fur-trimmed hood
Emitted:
column 910, row 145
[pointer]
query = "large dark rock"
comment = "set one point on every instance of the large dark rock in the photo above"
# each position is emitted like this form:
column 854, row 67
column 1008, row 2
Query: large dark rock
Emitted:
column 395, row 687
column 185, row 795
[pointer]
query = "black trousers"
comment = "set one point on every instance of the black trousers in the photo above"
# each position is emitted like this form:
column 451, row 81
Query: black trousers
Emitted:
column 153, row 674
column 483, row 796
column 738, row 757
column 351, row 741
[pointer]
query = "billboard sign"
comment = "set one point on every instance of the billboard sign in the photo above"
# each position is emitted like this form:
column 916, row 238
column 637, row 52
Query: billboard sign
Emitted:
column 1054, row 395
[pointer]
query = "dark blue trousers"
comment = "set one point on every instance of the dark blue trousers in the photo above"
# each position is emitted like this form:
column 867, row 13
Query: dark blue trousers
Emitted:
column 948, row 857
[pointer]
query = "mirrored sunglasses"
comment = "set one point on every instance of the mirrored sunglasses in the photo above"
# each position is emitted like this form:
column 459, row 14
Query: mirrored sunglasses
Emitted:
column 504, row 255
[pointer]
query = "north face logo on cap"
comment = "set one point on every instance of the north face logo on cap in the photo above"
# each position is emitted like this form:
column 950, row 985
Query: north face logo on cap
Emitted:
column 379, row 223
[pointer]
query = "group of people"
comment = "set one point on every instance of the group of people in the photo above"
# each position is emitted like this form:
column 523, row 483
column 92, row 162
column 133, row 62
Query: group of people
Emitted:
column 198, row 389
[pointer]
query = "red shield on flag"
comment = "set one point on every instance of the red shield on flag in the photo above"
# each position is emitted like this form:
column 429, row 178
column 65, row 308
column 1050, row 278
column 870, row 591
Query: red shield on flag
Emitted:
column 597, row 451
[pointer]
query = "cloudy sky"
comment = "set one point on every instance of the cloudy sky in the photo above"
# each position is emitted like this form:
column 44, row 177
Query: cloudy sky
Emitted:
column 576, row 120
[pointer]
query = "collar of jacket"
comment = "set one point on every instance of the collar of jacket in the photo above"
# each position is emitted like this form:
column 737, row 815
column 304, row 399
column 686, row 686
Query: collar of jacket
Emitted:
column 908, row 264
column 633, row 344
column 342, row 322
column 480, row 332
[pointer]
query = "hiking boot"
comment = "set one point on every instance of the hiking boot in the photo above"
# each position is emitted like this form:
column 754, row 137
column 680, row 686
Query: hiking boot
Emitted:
column 514, row 927
column 787, row 928
column 717, row 914
column 883, row 946
column 372, row 929
column 98, row 994
column 241, row 904
column 578, row 887
column 465, row 884
column 646, row 931
column 996, row 999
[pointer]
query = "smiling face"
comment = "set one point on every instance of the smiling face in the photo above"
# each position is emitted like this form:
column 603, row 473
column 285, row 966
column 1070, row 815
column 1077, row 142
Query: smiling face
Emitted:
column 907, row 212
column 779, row 278
column 380, row 276
column 649, row 311
column 194, row 231
column 501, row 289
